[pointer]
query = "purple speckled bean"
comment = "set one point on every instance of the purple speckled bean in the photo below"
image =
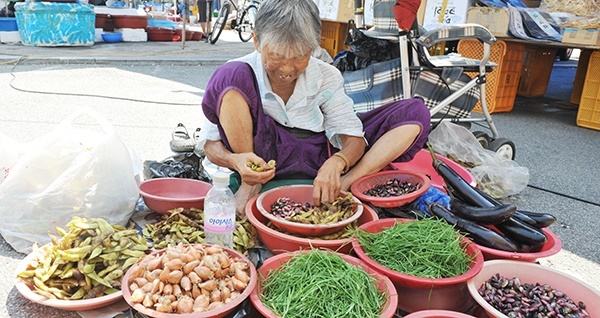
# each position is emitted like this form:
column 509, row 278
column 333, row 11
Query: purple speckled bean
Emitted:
column 514, row 299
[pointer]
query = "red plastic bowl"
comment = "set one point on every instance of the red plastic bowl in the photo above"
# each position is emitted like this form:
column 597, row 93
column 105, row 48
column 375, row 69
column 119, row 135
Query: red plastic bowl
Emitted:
column 159, row 34
column 278, row 242
column 360, row 186
column 418, row 293
column 130, row 21
column 437, row 314
column 164, row 194
column 188, row 35
column 272, row 263
column 301, row 193
column 423, row 163
column 553, row 245
column 532, row 273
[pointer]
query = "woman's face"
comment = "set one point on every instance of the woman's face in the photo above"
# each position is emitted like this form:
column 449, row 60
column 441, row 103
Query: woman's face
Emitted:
column 283, row 69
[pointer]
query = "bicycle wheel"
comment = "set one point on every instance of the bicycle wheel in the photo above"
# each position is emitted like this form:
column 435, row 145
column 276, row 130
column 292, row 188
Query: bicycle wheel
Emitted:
column 219, row 23
column 247, row 23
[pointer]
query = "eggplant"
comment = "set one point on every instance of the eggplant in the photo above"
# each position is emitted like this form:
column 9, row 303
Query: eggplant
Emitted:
column 459, row 187
column 537, row 219
column 478, row 233
column 487, row 216
column 522, row 232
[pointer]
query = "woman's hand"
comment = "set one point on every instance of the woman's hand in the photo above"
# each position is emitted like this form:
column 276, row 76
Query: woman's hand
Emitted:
column 327, row 184
column 248, row 175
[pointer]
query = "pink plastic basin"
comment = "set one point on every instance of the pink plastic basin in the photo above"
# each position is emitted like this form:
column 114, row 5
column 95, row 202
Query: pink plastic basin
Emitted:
column 532, row 273
column 552, row 246
column 437, row 314
column 383, row 283
column 278, row 242
column 164, row 194
column 423, row 163
column 418, row 293
column 368, row 182
column 301, row 193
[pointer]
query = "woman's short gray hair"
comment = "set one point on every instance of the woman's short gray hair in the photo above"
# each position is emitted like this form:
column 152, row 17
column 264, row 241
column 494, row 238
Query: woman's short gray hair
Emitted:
column 288, row 27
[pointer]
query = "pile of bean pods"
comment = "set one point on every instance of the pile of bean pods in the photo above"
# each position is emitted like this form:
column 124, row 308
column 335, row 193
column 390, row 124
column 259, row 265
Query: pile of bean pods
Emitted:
column 87, row 261
column 187, row 226
column 340, row 209
column 514, row 299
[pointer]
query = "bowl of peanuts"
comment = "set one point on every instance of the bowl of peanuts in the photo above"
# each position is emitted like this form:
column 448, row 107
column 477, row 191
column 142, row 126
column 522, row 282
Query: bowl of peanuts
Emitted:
column 189, row 280
column 291, row 208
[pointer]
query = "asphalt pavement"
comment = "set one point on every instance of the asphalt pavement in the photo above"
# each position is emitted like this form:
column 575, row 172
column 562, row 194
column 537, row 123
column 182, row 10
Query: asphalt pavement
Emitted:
column 145, row 88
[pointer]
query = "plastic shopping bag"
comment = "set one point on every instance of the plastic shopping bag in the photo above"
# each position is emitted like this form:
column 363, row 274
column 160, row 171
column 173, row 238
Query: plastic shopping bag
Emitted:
column 68, row 172
column 9, row 154
column 495, row 175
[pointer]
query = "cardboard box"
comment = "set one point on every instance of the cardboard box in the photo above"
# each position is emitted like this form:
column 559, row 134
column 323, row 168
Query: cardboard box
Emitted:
column 496, row 20
column 336, row 10
column 456, row 12
column 581, row 36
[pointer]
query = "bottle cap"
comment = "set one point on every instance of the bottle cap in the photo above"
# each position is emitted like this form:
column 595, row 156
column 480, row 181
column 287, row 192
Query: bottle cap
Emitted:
column 221, row 177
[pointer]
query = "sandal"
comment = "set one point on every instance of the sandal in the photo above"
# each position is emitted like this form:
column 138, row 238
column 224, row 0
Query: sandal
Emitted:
column 198, row 151
column 197, row 134
column 181, row 141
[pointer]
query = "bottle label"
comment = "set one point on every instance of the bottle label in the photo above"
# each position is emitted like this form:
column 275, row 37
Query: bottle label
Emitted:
column 220, row 224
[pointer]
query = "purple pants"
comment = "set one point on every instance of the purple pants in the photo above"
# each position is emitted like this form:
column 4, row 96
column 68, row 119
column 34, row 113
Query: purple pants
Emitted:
column 301, row 158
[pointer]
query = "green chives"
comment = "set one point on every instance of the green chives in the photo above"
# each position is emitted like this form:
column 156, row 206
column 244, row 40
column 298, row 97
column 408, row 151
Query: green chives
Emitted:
column 321, row 284
column 424, row 248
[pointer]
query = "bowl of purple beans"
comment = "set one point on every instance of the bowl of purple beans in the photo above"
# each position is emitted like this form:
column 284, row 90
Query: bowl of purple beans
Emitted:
column 290, row 209
column 509, row 288
column 391, row 188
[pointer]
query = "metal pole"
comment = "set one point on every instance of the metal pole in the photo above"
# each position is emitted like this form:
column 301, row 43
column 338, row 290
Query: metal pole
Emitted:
column 183, row 31
column 359, row 14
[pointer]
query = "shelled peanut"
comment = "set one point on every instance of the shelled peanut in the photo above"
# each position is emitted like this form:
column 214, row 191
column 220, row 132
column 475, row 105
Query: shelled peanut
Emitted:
column 188, row 278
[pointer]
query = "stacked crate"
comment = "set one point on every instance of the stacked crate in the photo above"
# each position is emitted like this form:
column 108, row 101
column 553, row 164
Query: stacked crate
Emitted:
column 503, row 82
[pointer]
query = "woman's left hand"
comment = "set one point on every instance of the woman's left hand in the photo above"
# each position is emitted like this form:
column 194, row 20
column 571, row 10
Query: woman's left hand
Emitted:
column 327, row 184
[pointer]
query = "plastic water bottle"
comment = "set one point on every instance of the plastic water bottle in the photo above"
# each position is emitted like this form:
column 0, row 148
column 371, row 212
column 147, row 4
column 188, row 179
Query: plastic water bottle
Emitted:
column 219, row 212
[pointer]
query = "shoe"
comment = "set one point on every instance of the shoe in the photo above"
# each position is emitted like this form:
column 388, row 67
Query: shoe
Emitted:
column 198, row 150
column 197, row 134
column 181, row 141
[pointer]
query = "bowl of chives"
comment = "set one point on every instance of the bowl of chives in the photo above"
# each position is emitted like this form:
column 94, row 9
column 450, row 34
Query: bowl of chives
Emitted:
column 322, row 283
column 428, row 262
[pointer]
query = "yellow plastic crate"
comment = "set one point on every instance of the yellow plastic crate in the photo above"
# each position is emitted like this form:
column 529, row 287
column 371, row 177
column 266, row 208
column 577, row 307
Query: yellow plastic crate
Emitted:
column 333, row 35
column 502, row 83
column 588, row 114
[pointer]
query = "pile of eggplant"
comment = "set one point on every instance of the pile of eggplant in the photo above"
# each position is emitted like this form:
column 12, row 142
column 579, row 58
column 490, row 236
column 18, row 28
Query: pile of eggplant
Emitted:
column 487, row 221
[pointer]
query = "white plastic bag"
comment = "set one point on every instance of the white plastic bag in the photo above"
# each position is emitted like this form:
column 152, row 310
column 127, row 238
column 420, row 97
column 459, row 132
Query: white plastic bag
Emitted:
column 68, row 172
column 495, row 175
column 10, row 151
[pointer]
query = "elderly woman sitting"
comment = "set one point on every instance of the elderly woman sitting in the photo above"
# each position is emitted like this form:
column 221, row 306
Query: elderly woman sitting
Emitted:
column 280, row 103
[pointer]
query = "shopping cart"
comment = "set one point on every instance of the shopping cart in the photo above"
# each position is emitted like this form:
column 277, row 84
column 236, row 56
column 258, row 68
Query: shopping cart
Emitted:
column 427, row 76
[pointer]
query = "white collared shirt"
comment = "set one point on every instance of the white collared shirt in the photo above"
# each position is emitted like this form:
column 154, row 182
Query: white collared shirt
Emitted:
column 318, row 103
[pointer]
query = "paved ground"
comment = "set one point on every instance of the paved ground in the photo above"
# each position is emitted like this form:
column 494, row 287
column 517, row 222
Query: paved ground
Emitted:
column 145, row 89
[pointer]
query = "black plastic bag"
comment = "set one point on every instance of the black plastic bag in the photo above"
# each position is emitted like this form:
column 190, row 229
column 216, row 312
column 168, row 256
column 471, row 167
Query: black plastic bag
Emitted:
column 182, row 165
column 377, row 50
column 364, row 50
column 348, row 61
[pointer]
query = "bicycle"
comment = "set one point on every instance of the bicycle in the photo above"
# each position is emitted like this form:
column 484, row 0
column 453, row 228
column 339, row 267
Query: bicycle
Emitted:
column 243, row 22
